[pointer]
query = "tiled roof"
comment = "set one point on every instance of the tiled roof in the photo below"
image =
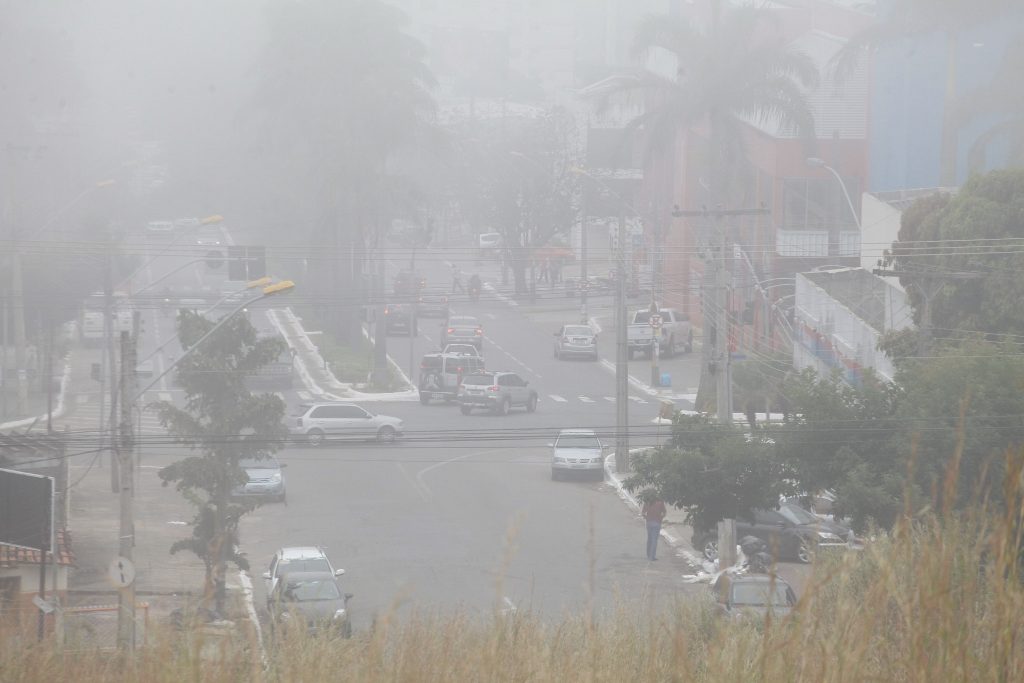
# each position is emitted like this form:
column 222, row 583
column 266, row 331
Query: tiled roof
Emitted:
column 12, row 556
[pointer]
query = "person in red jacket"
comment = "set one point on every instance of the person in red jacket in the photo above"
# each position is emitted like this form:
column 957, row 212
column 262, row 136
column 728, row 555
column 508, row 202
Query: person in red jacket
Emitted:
column 653, row 513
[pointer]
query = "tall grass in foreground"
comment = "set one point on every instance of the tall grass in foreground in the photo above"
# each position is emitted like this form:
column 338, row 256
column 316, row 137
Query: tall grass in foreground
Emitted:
column 938, row 599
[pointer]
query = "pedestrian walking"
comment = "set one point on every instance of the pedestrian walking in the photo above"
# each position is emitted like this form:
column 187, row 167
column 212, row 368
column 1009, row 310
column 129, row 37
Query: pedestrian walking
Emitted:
column 653, row 513
column 457, row 280
column 543, row 277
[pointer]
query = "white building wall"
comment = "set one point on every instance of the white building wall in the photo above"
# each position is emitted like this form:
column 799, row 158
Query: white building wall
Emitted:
column 830, row 336
column 880, row 226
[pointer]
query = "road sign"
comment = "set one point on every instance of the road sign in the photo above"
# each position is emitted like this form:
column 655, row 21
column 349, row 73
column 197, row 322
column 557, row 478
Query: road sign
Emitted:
column 121, row 572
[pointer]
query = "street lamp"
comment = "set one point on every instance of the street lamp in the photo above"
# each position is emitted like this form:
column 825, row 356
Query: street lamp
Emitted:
column 269, row 290
column 815, row 162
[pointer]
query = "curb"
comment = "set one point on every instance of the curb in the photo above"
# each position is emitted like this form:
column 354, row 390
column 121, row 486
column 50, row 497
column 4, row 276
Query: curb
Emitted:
column 58, row 411
column 612, row 476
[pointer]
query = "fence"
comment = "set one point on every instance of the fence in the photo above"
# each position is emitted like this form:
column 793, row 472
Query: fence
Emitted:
column 94, row 627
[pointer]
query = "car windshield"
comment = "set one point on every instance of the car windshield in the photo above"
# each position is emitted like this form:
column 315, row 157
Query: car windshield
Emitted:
column 759, row 593
column 797, row 515
column 261, row 463
column 579, row 330
column 431, row 362
column 315, row 589
column 577, row 441
column 302, row 410
column 465, row 321
column 642, row 317
column 311, row 564
column 482, row 380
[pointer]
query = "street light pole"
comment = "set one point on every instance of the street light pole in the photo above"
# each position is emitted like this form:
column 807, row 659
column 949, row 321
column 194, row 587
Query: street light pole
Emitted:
column 621, row 358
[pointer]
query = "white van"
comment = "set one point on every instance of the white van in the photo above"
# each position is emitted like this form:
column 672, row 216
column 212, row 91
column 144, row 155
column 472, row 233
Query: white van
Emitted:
column 489, row 241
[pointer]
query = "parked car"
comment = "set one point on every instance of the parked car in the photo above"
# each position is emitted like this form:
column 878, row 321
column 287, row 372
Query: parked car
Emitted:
column 674, row 334
column 464, row 329
column 432, row 306
column 489, row 242
column 306, row 558
column 576, row 340
column 576, row 450
column 319, row 422
column 310, row 600
column 791, row 533
column 265, row 479
column 442, row 373
column 740, row 595
column 497, row 391
column 400, row 318
column 408, row 283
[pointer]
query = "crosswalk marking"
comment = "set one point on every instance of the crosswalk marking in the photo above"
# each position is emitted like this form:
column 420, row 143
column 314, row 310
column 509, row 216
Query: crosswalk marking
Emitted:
column 558, row 399
column 637, row 399
column 585, row 399
column 304, row 395
column 610, row 399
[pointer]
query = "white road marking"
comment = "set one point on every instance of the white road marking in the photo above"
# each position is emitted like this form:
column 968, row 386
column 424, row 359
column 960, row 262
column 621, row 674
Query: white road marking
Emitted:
column 498, row 295
column 514, row 359
column 558, row 399
column 585, row 399
column 164, row 396
column 637, row 399
column 304, row 395
column 457, row 458
column 82, row 398
column 610, row 399
column 419, row 486
column 610, row 367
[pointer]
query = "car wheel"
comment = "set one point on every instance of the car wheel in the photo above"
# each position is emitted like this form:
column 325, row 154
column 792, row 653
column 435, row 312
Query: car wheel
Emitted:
column 503, row 407
column 466, row 410
column 531, row 403
column 805, row 551
column 424, row 399
column 315, row 438
column 709, row 548
column 386, row 434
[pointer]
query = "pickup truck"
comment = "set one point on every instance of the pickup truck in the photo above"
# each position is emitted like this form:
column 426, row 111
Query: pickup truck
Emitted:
column 675, row 333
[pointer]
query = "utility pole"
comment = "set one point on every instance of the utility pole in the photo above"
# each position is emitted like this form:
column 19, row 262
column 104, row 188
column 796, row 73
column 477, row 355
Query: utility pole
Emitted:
column 17, row 295
column 621, row 357
column 111, row 367
column 380, row 336
column 715, row 352
column 584, row 280
column 125, row 448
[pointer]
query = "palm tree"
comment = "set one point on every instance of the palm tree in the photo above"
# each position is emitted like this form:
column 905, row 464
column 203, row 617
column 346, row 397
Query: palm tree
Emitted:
column 729, row 74
column 342, row 87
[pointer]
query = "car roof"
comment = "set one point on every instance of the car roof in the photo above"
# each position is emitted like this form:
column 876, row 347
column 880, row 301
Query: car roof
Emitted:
column 327, row 403
column 301, row 552
column 295, row 577
column 588, row 432
column 463, row 317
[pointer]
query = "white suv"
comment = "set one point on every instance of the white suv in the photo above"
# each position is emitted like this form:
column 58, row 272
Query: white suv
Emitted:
column 318, row 422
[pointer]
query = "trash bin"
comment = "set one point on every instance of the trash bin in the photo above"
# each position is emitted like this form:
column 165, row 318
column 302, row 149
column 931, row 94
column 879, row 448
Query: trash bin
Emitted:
column 666, row 379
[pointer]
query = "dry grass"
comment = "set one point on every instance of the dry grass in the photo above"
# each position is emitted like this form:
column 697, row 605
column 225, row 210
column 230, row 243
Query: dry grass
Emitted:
column 938, row 599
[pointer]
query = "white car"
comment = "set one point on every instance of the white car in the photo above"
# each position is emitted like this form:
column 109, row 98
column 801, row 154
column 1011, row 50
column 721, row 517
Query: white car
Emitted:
column 576, row 450
column 318, row 422
column 489, row 240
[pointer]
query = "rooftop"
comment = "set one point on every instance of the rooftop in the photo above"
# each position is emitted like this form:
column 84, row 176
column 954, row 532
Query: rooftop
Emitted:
column 13, row 556
column 857, row 289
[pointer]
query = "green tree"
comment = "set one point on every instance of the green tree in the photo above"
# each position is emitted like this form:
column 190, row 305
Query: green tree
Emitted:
column 712, row 471
column 970, row 234
column 342, row 88
column 221, row 422
column 734, row 70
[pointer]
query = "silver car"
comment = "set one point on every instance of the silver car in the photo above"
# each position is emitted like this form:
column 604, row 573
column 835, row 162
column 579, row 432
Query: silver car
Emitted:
column 576, row 450
column 319, row 422
column 462, row 329
column 264, row 479
column 576, row 340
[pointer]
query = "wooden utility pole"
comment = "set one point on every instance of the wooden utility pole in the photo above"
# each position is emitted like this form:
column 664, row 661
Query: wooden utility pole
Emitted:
column 621, row 356
column 125, row 452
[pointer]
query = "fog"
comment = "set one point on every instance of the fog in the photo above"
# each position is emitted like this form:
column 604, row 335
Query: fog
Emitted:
column 705, row 235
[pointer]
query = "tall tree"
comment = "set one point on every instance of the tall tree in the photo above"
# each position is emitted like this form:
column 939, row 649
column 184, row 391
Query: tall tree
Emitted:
column 341, row 87
column 733, row 71
column 222, row 422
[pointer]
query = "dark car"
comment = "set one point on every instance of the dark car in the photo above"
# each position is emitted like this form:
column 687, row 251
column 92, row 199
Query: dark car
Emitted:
column 311, row 600
column 791, row 533
column 432, row 306
column 400, row 318
column 462, row 329
column 409, row 283
column 755, row 594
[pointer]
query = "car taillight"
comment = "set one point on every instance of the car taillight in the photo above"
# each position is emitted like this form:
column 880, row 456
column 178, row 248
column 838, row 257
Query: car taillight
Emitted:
column 479, row 331
column 451, row 330
column 494, row 388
